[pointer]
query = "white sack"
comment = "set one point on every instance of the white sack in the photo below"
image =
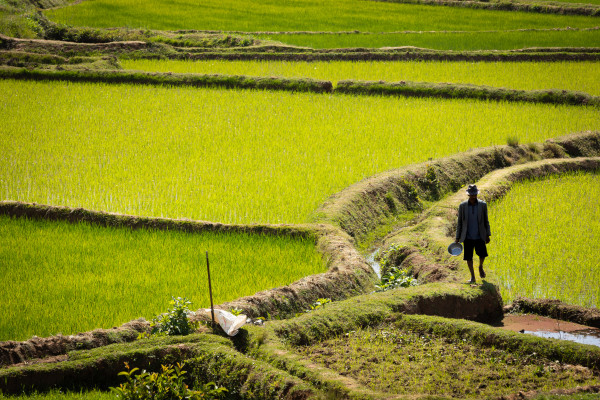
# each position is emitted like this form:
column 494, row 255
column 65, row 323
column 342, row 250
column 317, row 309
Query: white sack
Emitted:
column 229, row 322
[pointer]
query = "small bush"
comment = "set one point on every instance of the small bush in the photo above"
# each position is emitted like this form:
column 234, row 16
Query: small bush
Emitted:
column 175, row 321
column 396, row 278
column 169, row 384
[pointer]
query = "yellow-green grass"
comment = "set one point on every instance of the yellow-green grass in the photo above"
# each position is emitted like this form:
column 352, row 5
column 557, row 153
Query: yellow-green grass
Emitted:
column 235, row 156
column 395, row 361
column 301, row 15
column 579, row 76
column 544, row 2
column 460, row 41
column 67, row 278
column 545, row 240
column 60, row 395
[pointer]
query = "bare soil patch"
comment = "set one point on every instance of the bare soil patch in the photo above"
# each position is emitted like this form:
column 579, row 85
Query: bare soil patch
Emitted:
column 557, row 309
column 532, row 322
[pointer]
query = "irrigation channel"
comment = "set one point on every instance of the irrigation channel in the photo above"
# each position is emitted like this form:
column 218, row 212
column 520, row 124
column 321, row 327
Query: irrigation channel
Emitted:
column 529, row 324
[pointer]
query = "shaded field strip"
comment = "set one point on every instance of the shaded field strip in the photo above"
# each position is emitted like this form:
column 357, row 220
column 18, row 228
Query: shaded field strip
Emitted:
column 400, row 307
column 406, row 89
column 539, row 7
column 218, row 359
column 396, row 55
column 167, row 79
column 284, row 48
column 380, row 200
column 205, row 358
column 357, row 32
column 435, row 229
column 259, row 359
column 197, row 48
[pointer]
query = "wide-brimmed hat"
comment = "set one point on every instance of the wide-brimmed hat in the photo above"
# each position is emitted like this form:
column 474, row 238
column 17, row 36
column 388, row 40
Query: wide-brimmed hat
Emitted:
column 472, row 190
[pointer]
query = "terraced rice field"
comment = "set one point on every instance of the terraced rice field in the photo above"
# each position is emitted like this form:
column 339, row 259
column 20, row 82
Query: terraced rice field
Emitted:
column 333, row 16
column 545, row 237
column 493, row 39
column 68, row 278
column 578, row 76
column 230, row 155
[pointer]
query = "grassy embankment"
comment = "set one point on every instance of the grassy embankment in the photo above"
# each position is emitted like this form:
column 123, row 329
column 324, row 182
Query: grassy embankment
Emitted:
column 190, row 156
column 544, row 240
column 352, row 87
column 577, row 76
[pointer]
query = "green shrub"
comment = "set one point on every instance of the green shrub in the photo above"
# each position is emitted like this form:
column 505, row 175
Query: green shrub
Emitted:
column 396, row 278
column 175, row 321
column 169, row 384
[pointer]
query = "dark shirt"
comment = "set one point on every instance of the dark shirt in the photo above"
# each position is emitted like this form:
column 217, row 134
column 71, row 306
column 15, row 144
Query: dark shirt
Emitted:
column 472, row 224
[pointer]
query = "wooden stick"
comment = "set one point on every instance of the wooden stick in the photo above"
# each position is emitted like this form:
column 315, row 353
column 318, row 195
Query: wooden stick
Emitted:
column 212, row 308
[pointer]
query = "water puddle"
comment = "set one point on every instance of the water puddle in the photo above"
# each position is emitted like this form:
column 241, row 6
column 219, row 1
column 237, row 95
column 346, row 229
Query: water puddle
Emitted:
column 586, row 336
column 550, row 328
column 373, row 263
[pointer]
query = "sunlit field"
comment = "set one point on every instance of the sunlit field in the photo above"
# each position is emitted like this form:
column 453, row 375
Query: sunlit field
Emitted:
column 232, row 155
column 303, row 15
column 459, row 41
column 68, row 278
column 579, row 76
column 597, row 2
column 545, row 240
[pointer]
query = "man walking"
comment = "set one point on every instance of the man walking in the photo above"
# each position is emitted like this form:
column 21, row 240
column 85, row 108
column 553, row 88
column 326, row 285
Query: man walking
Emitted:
column 473, row 229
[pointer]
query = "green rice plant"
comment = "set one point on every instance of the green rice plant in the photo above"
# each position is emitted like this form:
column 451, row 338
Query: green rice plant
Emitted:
column 459, row 41
column 597, row 2
column 69, row 278
column 578, row 76
column 235, row 156
column 272, row 15
column 60, row 395
column 544, row 242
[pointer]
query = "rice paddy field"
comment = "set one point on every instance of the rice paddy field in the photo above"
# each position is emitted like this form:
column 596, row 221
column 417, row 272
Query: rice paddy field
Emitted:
column 303, row 15
column 447, row 40
column 67, row 278
column 578, row 76
column 230, row 155
column 564, row 1
column 545, row 234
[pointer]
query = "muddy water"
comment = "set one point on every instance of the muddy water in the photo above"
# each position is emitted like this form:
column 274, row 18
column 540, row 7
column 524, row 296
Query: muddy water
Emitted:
column 529, row 323
column 551, row 328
